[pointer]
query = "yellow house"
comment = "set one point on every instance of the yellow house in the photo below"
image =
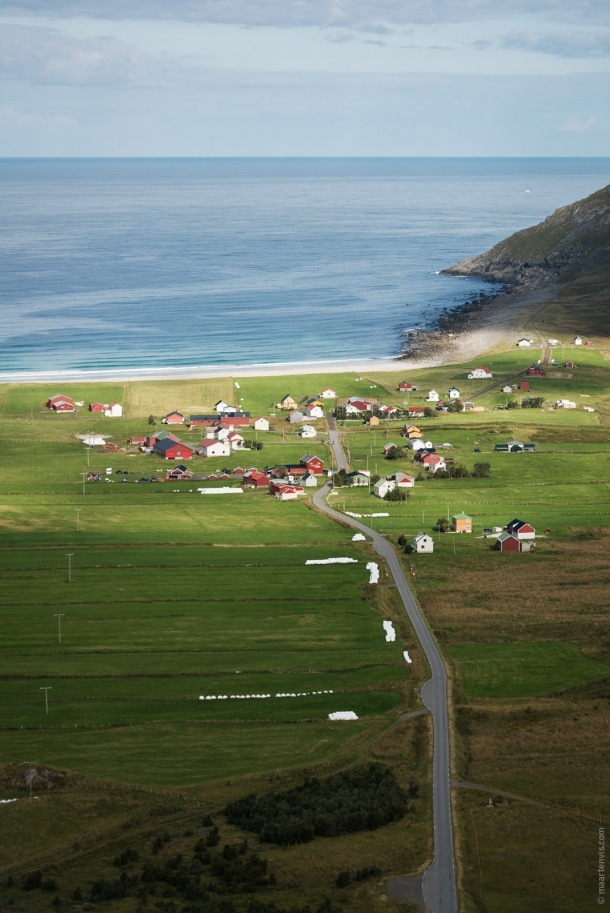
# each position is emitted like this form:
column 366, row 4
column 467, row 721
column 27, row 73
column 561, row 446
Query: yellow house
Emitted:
column 412, row 431
column 461, row 523
column 287, row 402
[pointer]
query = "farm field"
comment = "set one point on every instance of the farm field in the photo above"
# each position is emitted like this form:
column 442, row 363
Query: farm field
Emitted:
column 200, row 657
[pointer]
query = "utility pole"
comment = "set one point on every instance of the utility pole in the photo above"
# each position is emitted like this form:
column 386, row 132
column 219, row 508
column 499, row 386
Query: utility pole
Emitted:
column 78, row 510
column 70, row 556
column 46, row 690
column 83, row 474
column 59, row 616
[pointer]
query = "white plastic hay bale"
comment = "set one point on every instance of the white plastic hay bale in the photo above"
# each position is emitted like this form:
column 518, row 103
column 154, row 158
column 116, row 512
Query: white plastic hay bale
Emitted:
column 332, row 561
column 390, row 633
column 373, row 569
column 343, row 715
column 406, row 656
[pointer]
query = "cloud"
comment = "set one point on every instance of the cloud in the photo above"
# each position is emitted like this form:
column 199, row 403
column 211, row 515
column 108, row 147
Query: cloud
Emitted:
column 584, row 45
column 43, row 55
column 579, row 124
column 355, row 14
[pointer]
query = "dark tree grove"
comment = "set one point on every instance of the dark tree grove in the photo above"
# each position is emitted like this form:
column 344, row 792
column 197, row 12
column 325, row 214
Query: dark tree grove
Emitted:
column 356, row 800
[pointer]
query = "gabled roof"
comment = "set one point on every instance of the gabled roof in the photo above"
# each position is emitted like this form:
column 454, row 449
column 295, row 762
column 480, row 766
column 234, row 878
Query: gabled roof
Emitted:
column 167, row 444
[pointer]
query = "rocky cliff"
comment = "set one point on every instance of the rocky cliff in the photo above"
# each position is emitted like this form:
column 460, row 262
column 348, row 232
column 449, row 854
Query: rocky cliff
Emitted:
column 574, row 241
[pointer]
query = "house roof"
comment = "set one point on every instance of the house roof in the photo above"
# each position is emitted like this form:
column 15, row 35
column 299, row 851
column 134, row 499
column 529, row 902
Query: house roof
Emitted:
column 165, row 445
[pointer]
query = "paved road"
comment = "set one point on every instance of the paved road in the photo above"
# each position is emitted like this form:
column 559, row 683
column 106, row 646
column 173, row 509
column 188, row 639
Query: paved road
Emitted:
column 439, row 882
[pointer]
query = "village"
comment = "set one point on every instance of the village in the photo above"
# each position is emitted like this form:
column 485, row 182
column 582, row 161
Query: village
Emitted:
column 226, row 432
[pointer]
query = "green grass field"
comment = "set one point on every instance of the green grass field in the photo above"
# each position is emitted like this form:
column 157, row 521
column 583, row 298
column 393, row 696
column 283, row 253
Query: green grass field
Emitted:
column 520, row 670
column 200, row 657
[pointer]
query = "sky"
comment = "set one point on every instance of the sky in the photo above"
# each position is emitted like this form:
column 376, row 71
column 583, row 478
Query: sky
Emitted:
column 305, row 78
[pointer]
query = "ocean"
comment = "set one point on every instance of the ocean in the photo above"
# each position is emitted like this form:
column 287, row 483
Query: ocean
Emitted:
column 157, row 263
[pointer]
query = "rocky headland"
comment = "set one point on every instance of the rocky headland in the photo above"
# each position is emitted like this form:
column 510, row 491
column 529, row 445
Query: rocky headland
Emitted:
column 566, row 257
column 572, row 241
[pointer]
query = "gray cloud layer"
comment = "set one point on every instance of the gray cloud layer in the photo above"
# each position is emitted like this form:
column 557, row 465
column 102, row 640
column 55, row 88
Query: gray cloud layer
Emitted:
column 364, row 15
column 41, row 55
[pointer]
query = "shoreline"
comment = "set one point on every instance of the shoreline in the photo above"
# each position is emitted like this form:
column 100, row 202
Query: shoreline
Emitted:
column 462, row 334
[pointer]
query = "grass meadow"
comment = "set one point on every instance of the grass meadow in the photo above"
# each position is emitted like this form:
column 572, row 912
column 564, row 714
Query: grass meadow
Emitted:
column 200, row 657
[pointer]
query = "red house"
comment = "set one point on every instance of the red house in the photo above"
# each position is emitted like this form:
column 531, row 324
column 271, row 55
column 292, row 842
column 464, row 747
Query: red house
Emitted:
column 255, row 479
column 312, row 464
column 179, row 472
column 96, row 407
column 173, row 418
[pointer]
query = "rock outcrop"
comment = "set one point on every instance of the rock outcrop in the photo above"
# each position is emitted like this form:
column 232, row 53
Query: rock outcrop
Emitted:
column 573, row 241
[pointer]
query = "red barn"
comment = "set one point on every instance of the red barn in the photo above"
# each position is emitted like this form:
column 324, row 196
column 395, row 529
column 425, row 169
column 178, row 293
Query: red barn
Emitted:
column 173, row 450
column 506, row 542
column 60, row 403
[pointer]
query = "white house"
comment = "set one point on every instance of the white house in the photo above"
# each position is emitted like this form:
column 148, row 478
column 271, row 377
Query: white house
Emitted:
column 236, row 440
column 453, row 393
column 308, row 431
column 211, row 448
column 360, row 478
column 261, row 424
column 577, row 341
column 417, row 443
column 553, row 342
column 113, row 410
column 314, row 411
column 432, row 397
column 480, row 372
column 507, row 388
column 221, row 406
column 524, row 342
column 328, row 393
column 309, row 480
column 423, row 544
column 383, row 486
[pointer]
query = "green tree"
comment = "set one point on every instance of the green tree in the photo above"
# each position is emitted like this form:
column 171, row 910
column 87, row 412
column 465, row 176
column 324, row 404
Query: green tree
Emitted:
column 481, row 470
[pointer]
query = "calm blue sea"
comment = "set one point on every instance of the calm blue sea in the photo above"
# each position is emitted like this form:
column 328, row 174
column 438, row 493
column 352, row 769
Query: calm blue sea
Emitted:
column 144, row 263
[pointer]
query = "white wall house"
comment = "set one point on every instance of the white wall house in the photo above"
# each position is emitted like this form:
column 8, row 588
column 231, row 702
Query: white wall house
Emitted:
column 453, row 393
column 432, row 397
column 210, row 448
column 383, row 486
column 480, row 373
column 308, row 431
column 261, row 424
column 114, row 410
column 423, row 544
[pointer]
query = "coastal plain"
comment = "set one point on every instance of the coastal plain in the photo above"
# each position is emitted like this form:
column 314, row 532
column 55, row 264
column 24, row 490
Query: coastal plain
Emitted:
column 131, row 607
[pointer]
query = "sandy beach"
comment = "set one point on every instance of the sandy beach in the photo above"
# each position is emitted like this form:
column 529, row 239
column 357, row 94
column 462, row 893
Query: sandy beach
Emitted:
column 496, row 325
